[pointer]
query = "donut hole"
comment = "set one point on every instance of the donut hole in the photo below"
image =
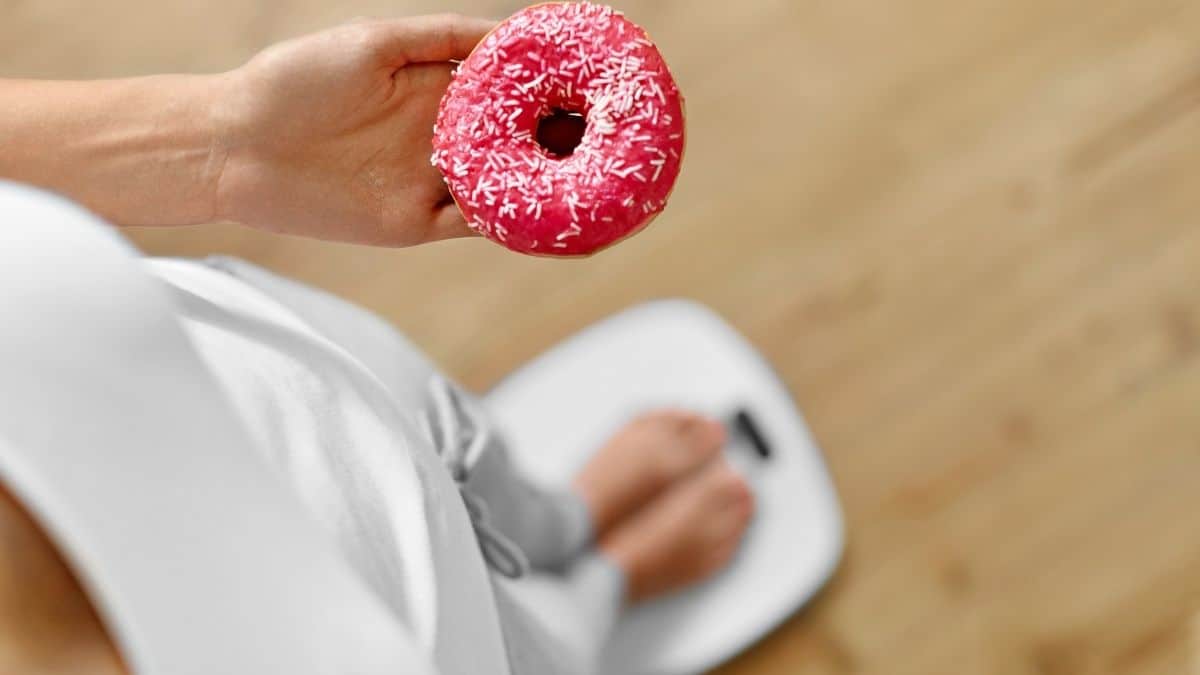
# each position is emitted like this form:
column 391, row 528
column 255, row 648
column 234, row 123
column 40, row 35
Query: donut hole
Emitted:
column 560, row 131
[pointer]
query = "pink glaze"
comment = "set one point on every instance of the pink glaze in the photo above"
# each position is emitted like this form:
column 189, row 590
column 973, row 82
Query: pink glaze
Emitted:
column 577, row 57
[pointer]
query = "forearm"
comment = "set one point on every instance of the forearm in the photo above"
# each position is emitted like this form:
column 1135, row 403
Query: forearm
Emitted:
column 139, row 151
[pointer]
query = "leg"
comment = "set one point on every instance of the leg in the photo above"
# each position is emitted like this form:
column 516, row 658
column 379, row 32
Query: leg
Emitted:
column 662, row 521
column 550, row 526
column 574, row 614
column 683, row 535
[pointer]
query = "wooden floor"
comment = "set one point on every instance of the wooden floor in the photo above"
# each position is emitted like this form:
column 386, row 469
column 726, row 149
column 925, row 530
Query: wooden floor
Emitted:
column 967, row 233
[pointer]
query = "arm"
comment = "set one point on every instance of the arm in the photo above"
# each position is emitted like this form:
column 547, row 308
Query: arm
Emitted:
column 137, row 152
column 325, row 136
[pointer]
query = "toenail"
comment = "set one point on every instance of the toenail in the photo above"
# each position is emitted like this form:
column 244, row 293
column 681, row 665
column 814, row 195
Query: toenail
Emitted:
column 733, row 489
column 730, row 479
column 718, row 430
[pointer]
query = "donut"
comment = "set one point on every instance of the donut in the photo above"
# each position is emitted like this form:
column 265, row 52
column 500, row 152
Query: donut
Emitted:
column 562, row 132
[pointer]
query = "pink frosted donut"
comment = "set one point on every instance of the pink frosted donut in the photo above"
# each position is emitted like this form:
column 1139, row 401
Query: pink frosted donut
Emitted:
column 563, row 131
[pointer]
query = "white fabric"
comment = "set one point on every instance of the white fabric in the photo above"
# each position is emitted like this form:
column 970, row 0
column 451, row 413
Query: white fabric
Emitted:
column 589, row 591
column 354, row 455
column 122, row 446
column 341, row 410
column 304, row 401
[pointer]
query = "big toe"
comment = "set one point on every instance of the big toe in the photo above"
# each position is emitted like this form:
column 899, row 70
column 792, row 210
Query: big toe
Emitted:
column 724, row 501
column 694, row 440
column 704, row 433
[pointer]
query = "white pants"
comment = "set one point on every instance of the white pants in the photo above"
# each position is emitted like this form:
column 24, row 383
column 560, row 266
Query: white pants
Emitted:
column 550, row 528
column 521, row 524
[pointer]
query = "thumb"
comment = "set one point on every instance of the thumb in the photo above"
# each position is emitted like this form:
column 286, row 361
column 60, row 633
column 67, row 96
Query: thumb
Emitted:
column 424, row 39
column 448, row 223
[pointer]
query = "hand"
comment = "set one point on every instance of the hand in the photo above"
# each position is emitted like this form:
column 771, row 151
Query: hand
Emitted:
column 329, row 135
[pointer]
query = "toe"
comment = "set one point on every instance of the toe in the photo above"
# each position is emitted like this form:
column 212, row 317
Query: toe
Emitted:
column 687, row 442
column 699, row 426
column 739, row 491
column 703, row 438
column 719, row 556
column 667, row 417
column 721, row 527
column 726, row 486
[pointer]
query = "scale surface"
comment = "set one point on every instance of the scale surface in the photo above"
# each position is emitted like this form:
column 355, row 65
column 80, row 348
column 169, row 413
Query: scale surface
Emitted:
column 560, row 407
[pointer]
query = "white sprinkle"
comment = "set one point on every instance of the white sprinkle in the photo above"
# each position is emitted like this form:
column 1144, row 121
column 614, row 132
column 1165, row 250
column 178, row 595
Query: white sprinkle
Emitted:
column 537, row 81
column 624, row 173
column 571, row 206
column 658, row 91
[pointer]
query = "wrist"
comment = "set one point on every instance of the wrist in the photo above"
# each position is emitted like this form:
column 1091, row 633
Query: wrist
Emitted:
column 185, row 150
column 167, row 149
column 228, row 112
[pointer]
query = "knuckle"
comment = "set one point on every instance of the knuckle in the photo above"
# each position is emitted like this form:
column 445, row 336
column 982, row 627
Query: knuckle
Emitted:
column 359, row 37
column 449, row 18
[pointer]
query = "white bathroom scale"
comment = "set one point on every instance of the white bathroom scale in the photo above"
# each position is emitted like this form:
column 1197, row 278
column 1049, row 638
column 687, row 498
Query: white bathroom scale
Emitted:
column 563, row 405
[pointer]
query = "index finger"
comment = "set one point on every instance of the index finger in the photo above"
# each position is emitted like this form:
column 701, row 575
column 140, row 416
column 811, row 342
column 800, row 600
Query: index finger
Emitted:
column 425, row 39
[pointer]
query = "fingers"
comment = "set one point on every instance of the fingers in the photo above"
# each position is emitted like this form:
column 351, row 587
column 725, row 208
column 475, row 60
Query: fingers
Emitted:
column 424, row 39
column 448, row 223
column 426, row 77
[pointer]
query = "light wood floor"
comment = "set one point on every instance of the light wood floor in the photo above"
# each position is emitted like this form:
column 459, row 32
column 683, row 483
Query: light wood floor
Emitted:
column 967, row 233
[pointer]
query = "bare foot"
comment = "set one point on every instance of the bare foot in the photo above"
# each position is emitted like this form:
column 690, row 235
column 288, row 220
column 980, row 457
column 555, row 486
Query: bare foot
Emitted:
column 683, row 536
column 641, row 460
